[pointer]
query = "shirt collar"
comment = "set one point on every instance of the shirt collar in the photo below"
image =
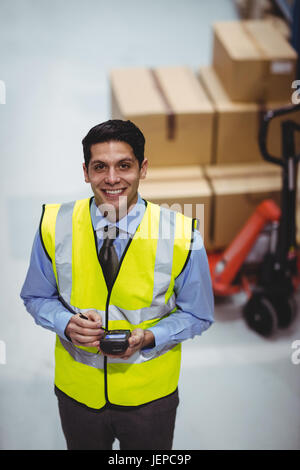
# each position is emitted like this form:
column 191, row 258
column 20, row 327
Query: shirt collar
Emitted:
column 127, row 225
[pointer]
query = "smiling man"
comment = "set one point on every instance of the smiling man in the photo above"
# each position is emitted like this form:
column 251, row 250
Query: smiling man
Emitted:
column 114, row 173
column 117, row 262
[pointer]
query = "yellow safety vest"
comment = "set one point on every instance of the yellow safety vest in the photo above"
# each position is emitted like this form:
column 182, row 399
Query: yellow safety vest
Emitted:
column 142, row 294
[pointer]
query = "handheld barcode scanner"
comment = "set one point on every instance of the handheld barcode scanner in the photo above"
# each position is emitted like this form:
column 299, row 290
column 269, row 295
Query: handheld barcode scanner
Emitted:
column 115, row 341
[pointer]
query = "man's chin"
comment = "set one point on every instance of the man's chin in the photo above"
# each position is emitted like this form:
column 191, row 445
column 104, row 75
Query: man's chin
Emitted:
column 113, row 208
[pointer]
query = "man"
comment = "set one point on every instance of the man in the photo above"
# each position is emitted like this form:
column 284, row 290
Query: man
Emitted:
column 112, row 262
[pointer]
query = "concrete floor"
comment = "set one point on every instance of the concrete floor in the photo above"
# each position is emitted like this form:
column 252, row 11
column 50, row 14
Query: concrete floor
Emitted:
column 237, row 390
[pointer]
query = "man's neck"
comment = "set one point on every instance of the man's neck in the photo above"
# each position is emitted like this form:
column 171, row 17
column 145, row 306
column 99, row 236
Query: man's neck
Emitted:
column 127, row 222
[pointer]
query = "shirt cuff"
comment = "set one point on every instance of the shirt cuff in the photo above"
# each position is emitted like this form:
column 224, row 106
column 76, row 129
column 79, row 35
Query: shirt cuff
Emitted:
column 160, row 341
column 62, row 319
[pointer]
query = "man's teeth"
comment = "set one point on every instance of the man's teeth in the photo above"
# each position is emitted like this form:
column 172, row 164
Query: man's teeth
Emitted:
column 116, row 191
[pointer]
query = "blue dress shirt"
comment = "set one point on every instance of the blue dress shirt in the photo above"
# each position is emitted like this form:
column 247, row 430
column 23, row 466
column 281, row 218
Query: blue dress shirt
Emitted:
column 194, row 296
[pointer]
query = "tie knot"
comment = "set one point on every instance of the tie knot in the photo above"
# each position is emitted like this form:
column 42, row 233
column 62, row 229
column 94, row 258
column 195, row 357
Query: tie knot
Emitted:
column 110, row 233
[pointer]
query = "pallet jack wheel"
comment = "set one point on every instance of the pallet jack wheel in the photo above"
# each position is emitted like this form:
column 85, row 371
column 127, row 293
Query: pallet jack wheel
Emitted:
column 260, row 315
column 286, row 309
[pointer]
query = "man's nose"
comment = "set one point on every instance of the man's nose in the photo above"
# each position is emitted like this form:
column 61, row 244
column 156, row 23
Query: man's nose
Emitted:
column 112, row 176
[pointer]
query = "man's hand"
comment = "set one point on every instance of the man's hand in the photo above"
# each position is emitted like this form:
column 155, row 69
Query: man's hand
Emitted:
column 139, row 339
column 85, row 332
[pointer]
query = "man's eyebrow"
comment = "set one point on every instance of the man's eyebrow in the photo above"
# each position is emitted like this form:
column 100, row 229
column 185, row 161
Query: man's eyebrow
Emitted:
column 94, row 162
column 126, row 159
column 129, row 158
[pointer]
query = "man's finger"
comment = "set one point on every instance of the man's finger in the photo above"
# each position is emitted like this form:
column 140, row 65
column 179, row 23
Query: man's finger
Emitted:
column 95, row 344
column 93, row 316
column 89, row 323
column 136, row 337
column 83, row 340
column 89, row 331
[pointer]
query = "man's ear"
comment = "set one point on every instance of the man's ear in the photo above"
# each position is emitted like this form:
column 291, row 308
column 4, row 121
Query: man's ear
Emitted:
column 143, row 170
column 85, row 172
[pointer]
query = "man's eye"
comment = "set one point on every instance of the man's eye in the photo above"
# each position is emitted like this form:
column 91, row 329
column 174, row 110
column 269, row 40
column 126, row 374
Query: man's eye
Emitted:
column 124, row 166
column 99, row 166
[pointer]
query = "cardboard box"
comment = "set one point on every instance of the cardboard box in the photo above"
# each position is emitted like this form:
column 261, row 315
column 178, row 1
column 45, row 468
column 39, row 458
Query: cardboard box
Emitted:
column 298, row 224
column 259, row 169
column 298, row 207
column 237, row 124
column 280, row 24
column 172, row 110
column 236, row 192
column 175, row 173
column 191, row 196
column 253, row 60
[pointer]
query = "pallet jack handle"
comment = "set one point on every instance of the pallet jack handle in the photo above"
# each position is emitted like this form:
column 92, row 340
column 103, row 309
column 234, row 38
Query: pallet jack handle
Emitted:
column 264, row 128
column 235, row 254
column 285, row 258
column 229, row 264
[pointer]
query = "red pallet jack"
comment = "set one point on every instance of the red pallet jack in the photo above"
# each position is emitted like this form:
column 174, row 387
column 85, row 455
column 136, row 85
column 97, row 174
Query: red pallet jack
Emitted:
column 270, row 290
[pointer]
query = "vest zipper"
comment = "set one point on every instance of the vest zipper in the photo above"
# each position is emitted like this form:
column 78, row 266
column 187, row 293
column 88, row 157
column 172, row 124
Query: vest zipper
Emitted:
column 106, row 310
column 109, row 294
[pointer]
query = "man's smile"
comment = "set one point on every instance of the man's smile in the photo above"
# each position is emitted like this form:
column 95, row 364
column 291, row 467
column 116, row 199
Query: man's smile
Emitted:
column 113, row 192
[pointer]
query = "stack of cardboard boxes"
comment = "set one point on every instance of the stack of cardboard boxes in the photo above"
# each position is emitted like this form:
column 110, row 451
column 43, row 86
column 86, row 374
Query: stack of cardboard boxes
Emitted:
column 201, row 129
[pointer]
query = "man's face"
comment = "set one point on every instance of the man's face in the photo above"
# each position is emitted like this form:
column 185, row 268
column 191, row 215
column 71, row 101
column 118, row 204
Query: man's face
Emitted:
column 114, row 173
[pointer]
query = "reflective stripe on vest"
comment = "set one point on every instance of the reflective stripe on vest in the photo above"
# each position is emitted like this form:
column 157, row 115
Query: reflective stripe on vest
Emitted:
column 162, row 269
column 63, row 249
column 142, row 294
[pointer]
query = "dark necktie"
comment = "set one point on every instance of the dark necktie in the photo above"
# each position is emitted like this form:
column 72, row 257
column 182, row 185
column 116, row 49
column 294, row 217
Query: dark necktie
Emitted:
column 108, row 256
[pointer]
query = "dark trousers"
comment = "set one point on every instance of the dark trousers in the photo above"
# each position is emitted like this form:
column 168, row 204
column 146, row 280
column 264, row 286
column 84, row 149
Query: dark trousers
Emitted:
column 146, row 427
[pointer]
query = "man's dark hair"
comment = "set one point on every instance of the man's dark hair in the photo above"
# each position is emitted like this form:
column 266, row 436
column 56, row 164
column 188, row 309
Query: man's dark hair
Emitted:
column 115, row 130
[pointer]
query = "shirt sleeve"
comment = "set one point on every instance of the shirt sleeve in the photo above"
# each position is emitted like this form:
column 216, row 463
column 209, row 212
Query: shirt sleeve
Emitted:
column 39, row 292
column 194, row 300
